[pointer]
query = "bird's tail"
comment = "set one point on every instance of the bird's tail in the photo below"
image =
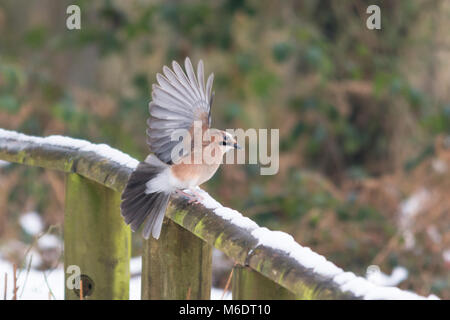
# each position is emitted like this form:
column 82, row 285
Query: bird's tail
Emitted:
column 137, row 205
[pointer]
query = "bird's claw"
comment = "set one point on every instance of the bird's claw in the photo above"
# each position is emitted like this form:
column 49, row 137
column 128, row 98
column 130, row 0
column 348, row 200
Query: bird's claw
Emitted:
column 194, row 201
column 193, row 198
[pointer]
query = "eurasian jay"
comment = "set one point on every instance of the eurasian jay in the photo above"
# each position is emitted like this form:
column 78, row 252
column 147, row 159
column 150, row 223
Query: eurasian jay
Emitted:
column 178, row 101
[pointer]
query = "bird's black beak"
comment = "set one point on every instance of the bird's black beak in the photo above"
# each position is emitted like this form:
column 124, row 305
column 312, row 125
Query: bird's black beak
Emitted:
column 236, row 146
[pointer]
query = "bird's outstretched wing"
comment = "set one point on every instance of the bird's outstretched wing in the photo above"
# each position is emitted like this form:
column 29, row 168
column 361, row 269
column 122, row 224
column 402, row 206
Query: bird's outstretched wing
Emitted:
column 179, row 100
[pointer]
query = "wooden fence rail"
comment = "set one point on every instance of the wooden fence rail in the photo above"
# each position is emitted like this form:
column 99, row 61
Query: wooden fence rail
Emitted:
column 269, row 264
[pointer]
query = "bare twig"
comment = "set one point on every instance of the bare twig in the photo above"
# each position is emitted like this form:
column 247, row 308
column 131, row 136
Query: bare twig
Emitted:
column 48, row 285
column 382, row 255
column 26, row 276
column 228, row 282
column 188, row 295
column 35, row 240
column 6, row 286
column 58, row 227
column 15, row 281
column 81, row 289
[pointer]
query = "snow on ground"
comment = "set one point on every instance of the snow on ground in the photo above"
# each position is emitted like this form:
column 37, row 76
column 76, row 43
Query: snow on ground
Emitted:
column 37, row 284
column 49, row 241
column 377, row 277
column 31, row 223
column 216, row 294
column 4, row 163
column 446, row 256
column 32, row 285
column 135, row 266
column 409, row 209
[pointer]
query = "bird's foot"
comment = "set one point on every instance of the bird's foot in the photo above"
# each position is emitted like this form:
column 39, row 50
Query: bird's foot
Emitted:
column 192, row 198
column 197, row 197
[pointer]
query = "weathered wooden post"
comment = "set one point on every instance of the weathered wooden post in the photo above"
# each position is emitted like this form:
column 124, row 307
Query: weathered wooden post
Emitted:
column 96, row 240
column 177, row 266
column 248, row 284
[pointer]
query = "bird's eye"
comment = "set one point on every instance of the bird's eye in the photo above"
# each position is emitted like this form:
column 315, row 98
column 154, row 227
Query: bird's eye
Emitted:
column 224, row 143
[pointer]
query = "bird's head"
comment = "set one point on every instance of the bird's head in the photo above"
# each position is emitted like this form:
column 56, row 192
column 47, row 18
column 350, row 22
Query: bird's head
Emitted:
column 225, row 141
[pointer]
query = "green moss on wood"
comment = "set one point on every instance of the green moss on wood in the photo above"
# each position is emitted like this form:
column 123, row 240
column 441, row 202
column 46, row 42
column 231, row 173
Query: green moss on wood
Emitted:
column 177, row 266
column 96, row 238
column 70, row 160
column 248, row 284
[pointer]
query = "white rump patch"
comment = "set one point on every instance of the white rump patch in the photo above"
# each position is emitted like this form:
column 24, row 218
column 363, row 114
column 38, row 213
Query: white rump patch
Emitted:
column 163, row 182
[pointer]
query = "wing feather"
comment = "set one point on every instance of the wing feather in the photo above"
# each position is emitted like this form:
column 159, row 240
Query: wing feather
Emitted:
column 209, row 84
column 165, row 100
column 165, row 114
column 184, row 80
column 192, row 79
column 178, row 99
column 173, row 89
column 178, row 83
column 201, row 80
column 154, row 133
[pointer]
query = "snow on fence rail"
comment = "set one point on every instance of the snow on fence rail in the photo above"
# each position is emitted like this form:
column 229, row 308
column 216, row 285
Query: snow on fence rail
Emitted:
column 269, row 264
